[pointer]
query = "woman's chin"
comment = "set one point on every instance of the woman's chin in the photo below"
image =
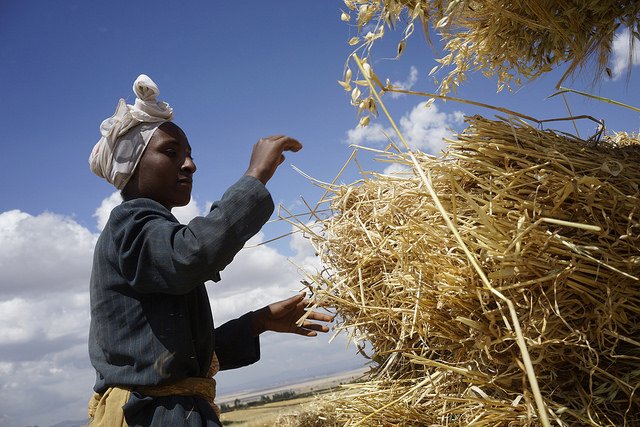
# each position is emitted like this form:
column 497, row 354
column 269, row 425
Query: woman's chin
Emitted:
column 183, row 202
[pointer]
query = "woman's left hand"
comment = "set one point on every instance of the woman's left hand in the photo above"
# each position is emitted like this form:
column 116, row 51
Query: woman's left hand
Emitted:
column 282, row 316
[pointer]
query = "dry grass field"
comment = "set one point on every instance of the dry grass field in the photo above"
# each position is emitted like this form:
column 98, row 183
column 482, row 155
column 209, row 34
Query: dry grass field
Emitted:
column 267, row 414
column 306, row 400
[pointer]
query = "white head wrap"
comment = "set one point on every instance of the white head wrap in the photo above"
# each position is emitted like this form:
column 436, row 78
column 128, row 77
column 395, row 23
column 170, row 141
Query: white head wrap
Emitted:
column 126, row 134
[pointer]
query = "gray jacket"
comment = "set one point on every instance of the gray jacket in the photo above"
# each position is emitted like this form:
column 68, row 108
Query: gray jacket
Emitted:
column 151, row 321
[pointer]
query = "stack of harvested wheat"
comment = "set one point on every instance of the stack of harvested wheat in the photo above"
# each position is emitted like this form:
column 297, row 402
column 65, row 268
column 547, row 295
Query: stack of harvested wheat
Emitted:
column 525, row 300
column 512, row 40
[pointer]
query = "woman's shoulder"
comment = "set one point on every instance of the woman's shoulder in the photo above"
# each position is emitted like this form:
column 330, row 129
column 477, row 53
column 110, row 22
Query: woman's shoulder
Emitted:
column 140, row 209
column 142, row 203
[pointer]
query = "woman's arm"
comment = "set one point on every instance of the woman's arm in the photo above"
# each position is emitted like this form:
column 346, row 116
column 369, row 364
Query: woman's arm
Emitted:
column 157, row 254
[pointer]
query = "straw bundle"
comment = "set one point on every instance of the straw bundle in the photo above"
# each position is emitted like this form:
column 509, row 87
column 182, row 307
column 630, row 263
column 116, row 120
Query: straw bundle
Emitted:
column 510, row 39
column 553, row 223
column 317, row 413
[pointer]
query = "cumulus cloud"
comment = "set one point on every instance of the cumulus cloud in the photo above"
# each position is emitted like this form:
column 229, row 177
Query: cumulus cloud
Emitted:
column 374, row 134
column 184, row 214
column 104, row 210
column 397, row 169
column 624, row 55
column 45, row 263
column 407, row 84
column 276, row 277
column 260, row 275
column 423, row 127
column 25, row 336
column 44, row 391
column 305, row 253
column 43, row 254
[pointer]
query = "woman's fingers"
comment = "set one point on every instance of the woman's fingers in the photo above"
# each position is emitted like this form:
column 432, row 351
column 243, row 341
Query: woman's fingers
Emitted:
column 267, row 155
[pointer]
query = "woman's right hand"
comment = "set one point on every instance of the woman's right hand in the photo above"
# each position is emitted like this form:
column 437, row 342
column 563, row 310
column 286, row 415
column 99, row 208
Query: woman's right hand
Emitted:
column 283, row 316
column 267, row 155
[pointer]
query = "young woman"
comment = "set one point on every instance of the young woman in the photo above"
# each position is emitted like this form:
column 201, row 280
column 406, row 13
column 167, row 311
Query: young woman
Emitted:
column 152, row 340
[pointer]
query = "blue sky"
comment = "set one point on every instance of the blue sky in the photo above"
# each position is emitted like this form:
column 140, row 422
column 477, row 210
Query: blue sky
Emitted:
column 233, row 72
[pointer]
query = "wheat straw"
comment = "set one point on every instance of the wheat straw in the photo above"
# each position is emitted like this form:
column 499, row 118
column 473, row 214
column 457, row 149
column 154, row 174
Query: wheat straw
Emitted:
column 511, row 40
column 552, row 221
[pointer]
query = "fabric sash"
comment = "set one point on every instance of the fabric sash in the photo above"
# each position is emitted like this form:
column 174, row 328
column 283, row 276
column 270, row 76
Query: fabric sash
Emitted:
column 105, row 409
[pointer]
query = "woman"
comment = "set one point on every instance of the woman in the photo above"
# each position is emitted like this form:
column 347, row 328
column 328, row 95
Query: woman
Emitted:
column 152, row 339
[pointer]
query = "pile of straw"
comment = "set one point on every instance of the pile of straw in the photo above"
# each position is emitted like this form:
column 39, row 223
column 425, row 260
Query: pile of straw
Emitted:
column 496, row 285
column 510, row 39
column 317, row 413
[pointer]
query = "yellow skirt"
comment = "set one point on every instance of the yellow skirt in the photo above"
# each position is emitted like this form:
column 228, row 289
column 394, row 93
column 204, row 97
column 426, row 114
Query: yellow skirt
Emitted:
column 105, row 410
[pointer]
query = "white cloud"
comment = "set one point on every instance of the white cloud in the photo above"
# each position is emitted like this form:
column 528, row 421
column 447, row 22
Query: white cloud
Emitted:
column 184, row 214
column 374, row 133
column 23, row 323
column 305, row 254
column 102, row 213
column 43, row 254
column 396, row 169
column 622, row 55
column 258, row 275
column 46, row 389
column 45, row 264
column 407, row 84
column 423, row 128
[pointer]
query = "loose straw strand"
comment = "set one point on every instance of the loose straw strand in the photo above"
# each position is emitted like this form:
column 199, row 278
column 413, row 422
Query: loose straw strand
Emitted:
column 533, row 382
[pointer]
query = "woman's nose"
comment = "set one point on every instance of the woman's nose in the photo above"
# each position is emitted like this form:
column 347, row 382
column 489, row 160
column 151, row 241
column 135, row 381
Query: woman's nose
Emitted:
column 189, row 165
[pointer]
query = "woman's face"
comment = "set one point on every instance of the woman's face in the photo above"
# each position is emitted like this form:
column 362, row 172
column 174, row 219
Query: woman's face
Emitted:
column 165, row 170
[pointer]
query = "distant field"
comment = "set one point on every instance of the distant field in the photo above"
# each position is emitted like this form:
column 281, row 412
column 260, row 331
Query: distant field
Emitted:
column 264, row 415
column 309, row 386
column 306, row 394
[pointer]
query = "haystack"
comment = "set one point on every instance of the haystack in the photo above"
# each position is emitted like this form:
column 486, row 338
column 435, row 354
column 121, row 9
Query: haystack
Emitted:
column 492, row 284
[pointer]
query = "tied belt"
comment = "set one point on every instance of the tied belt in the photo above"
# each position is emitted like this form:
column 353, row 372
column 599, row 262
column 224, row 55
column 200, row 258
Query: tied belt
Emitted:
column 105, row 409
column 204, row 388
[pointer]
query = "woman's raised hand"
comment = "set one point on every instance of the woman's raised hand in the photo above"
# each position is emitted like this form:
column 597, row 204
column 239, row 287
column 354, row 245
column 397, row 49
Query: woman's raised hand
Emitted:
column 267, row 155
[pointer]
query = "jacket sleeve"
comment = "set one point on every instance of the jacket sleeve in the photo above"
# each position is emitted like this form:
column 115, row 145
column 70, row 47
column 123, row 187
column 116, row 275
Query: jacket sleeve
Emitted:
column 235, row 346
column 158, row 254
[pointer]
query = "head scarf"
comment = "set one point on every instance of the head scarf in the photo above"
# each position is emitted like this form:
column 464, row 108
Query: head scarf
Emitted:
column 126, row 134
